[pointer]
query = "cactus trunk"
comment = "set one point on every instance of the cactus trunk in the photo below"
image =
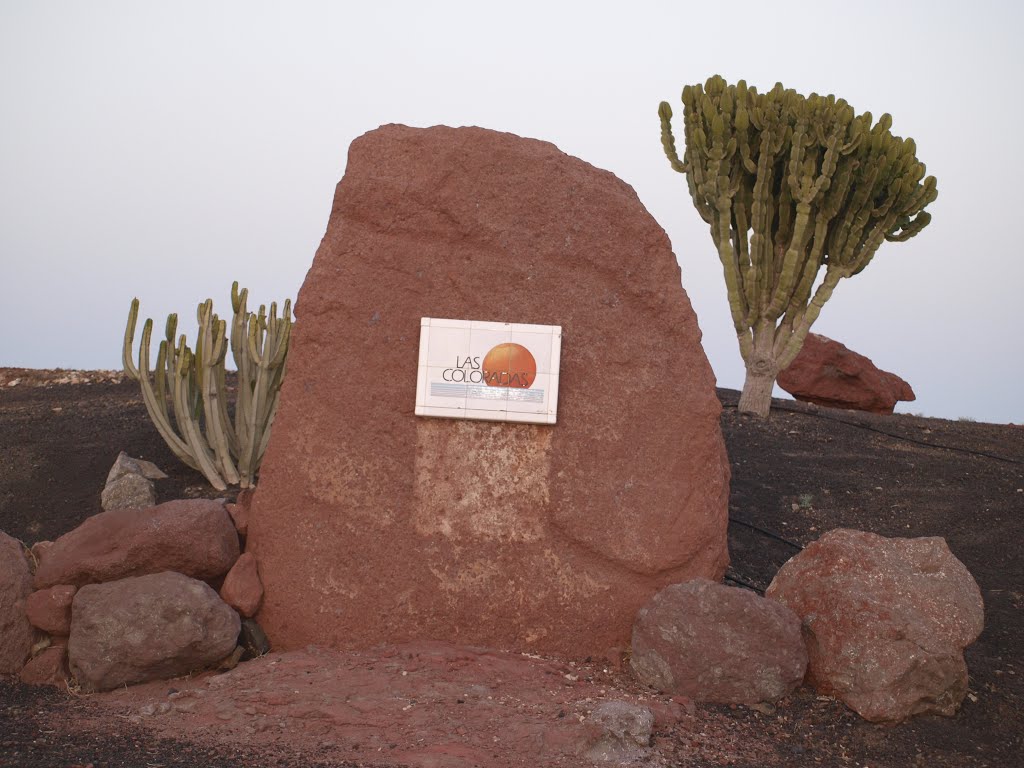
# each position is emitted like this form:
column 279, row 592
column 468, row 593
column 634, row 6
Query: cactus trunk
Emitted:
column 756, row 397
column 762, row 369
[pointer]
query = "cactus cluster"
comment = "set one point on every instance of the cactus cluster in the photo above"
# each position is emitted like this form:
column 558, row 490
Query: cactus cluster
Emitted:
column 790, row 184
column 191, row 386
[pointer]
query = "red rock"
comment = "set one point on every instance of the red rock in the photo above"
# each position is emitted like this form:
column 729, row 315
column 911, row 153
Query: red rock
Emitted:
column 827, row 373
column 886, row 621
column 49, row 667
column 147, row 628
column 715, row 643
column 15, row 584
column 240, row 517
column 194, row 537
column 50, row 609
column 373, row 525
column 239, row 511
column 242, row 588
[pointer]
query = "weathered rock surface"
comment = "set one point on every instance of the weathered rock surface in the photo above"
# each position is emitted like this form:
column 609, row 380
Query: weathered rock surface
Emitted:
column 128, row 492
column 711, row 642
column 50, row 609
column 825, row 372
column 242, row 589
column 885, row 620
column 147, row 628
column 195, row 537
column 374, row 525
column 48, row 667
column 15, row 585
column 622, row 730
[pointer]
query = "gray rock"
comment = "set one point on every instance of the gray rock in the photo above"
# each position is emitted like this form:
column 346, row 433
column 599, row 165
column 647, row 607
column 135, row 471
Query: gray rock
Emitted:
column 622, row 731
column 15, row 584
column 147, row 628
column 717, row 643
column 128, row 492
column 126, row 465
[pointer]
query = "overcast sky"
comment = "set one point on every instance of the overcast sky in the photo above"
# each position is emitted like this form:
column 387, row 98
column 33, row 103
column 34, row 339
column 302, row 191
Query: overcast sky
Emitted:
column 164, row 150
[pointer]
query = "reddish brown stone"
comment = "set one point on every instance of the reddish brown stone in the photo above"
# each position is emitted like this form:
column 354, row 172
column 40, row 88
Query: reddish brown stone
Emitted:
column 242, row 589
column 239, row 511
column 194, row 537
column 50, row 609
column 15, row 584
column 886, row 621
column 827, row 373
column 147, row 628
column 49, row 667
column 374, row 525
column 240, row 517
column 716, row 643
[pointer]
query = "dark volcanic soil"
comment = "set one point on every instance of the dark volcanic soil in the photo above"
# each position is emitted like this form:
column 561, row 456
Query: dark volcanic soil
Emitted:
column 801, row 473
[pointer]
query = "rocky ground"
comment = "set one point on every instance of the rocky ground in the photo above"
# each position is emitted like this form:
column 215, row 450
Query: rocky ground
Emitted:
column 801, row 473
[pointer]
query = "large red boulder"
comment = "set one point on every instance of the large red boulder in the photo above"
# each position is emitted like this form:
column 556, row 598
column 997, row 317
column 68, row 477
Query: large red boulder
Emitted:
column 193, row 536
column 886, row 621
column 827, row 373
column 15, row 584
column 711, row 642
column 147, row 628
column 372, row 524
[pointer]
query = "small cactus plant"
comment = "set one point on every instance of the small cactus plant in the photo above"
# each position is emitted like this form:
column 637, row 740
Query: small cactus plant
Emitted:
column 191, row 386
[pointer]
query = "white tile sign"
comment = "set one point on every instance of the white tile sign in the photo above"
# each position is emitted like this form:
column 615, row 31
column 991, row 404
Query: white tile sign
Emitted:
column 493, row 371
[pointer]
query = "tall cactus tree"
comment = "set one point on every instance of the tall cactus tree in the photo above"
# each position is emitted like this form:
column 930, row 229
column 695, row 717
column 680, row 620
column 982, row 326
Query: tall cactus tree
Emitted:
column 790, row 184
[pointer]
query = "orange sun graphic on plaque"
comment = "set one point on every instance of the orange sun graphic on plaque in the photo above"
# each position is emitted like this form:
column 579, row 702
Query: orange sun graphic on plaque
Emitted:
column 509, row 365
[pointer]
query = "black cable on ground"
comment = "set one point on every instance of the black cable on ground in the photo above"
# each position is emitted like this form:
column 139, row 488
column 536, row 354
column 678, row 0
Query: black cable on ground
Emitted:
column 743, row 583
column 817, row 414
column 766, row 532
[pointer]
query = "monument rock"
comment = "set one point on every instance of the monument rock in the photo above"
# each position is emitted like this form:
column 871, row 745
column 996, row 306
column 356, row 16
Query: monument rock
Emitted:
column 374, row 525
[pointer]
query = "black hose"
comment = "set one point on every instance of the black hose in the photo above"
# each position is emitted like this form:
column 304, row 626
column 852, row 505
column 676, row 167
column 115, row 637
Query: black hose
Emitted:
column 982, row 454
column 766, row 532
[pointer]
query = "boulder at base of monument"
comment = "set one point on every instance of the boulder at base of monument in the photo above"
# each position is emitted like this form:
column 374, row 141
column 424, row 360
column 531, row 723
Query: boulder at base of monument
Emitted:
column 374, row 525
column 15, row 585
column 147, row 628
column 886, row 621
column 191, row 536
column 711, row 642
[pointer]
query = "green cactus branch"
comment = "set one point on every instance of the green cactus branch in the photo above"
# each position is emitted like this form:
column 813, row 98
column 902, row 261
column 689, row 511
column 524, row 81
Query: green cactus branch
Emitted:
column 186, row 394
column 790, row 185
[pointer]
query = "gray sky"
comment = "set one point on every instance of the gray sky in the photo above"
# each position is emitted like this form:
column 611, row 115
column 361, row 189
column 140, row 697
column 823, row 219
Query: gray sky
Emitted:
column 162, row 151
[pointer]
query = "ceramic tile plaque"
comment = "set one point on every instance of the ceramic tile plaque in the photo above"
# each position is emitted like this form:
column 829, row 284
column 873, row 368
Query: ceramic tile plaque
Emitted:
column 492, row 371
